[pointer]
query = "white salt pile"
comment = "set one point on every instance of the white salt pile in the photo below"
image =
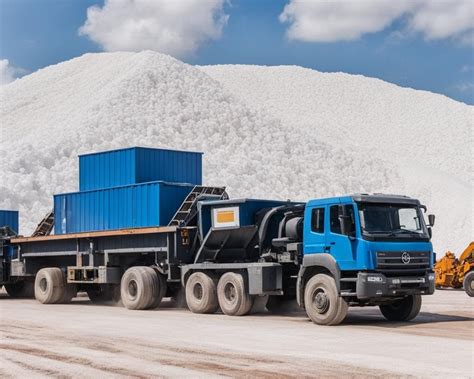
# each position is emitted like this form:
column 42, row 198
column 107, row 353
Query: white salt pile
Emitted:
column 282, row 132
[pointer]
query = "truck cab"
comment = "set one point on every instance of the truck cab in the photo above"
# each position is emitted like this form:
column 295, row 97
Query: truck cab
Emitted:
column 373, row 249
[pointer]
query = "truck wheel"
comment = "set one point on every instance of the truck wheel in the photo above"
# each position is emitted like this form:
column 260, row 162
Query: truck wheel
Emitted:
column 50, row 286
column 140, row 288
column 233, row 299
column 468, row 283
column 322, row 303
column 402, row 310
column 275, row 304
column 201, row 293
column 22, row 289
column 259, row 304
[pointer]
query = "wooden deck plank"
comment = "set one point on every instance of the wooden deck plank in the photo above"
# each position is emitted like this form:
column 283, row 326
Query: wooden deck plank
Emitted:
column 105, row 233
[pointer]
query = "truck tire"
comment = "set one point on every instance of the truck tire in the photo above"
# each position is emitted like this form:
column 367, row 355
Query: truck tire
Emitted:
column 259, row 304
column 468, row 283
column 405, row 309
column 201, row 293
column 50, row 286
column 21, row 289
column 322, row 303
column 140, row 288
column 233, row 298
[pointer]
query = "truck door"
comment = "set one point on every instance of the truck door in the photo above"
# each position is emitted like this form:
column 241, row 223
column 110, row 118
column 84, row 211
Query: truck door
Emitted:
column 341, row 247
column 314, row 226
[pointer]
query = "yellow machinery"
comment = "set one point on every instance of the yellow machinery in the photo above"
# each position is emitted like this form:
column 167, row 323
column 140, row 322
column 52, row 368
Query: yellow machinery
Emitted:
column 456, row 272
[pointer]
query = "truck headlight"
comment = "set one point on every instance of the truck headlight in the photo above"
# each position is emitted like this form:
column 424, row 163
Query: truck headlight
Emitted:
column 431, row 277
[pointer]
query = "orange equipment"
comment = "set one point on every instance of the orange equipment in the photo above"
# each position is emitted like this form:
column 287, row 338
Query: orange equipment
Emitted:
column 456, row 272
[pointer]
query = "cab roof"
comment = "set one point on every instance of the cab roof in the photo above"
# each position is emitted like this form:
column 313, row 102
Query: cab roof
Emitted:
column 367, row 198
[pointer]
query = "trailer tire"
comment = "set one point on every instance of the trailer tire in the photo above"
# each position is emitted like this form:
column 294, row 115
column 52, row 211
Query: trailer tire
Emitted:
column 161, row 290
column 20, row 289
column 50, row 286
column 104, row 294
column 201, row 293
column 468, row 283
column 70, row 292
column 322, row 303
column 140, row 288
column 405, row 309
column 233, row 298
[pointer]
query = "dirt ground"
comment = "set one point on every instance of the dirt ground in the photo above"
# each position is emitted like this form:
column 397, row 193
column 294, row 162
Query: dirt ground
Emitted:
column 86, row 340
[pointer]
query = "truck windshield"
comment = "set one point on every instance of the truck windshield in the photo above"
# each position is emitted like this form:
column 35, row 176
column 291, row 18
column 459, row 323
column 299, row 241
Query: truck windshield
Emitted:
column 392, row 220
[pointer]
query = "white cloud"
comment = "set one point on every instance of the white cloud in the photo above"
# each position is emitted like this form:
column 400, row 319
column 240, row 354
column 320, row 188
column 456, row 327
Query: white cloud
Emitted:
column 444, row 19
column 345, row 20
column 174, row 27
column 465, row 87
column 7, row 72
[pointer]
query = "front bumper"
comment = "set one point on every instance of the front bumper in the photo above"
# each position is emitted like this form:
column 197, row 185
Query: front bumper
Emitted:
column 377, row 285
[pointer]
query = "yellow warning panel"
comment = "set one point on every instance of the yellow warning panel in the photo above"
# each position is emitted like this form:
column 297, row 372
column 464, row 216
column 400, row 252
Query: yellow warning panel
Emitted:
column 225, row 217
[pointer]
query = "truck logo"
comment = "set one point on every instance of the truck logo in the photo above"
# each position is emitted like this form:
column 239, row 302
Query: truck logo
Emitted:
column 406, row 257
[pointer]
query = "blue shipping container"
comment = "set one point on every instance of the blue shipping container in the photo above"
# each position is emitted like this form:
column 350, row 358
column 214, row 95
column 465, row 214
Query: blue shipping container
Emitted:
column 9, row 218
column 138, row 165
column 133, row 206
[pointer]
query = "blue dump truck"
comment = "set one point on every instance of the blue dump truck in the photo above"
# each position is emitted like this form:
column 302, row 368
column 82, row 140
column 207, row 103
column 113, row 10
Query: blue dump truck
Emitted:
column 226, row 254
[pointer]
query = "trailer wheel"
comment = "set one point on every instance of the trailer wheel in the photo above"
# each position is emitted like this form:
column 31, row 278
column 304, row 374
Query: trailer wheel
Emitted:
column 162, row 285
column 468, row 283
column 70, row 291
column 50, row 286
column 201, row 293
column 103, row 294
column 405, row 309
column 322, row 303
column 21, row 289
column 140, row 288
column 233, row 298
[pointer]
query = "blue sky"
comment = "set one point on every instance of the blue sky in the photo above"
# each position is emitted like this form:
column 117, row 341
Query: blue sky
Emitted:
column 35, row 34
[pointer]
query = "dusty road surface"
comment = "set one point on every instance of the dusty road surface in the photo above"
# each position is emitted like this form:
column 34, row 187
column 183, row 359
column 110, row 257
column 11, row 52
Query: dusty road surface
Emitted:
column 86, row 340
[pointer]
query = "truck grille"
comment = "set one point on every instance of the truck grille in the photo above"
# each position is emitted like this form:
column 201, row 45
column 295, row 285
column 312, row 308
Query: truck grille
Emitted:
column 402, row 261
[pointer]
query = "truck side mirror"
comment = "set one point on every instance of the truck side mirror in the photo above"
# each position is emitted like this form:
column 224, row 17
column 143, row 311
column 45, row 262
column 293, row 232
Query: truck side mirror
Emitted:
column 431, row 219
column 345, row 222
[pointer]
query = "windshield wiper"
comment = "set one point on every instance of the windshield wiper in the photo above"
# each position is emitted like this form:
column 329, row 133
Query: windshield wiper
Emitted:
column 402, row 231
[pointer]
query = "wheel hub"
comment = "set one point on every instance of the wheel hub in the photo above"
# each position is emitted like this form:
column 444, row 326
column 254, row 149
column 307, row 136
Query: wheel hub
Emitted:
column 229, row 292
column 197, row 291
column 321, row 301
column 43, row 285
column 133, row 289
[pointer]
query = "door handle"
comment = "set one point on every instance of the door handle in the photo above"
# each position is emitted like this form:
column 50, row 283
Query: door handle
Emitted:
column 332, row 243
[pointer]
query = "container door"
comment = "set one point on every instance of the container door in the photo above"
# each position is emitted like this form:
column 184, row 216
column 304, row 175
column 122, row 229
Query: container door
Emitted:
column 63, row 216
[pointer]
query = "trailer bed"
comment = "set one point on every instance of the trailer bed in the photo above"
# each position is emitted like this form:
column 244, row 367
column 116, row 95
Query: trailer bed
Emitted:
column 96, row 234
